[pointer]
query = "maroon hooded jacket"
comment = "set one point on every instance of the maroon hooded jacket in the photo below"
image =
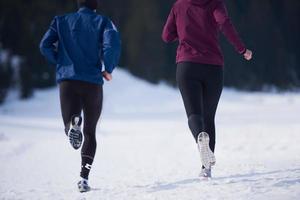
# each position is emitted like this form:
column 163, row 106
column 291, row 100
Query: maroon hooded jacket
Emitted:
column 196, row 25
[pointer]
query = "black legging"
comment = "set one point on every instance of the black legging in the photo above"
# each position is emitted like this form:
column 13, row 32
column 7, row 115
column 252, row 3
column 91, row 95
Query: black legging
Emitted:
column 76, row 96
column 201, row 87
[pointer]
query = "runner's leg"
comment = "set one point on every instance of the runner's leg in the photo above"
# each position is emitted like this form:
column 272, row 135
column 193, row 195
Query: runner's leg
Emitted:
column 70, row 102
column 92, row 106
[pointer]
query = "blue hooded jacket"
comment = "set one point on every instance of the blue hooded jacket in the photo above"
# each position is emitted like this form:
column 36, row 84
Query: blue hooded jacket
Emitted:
column 79, row 44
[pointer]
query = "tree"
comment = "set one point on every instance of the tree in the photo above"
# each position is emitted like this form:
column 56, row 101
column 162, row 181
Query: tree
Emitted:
column 270, row 28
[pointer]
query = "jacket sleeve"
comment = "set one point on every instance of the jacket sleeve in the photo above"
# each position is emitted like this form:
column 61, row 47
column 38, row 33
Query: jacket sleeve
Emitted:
column 221, row 16
column 170, row 29
column 47, row 46
column 111, row 46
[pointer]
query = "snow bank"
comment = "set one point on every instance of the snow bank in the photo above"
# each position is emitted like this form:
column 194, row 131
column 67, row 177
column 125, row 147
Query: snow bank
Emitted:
column 145, row 150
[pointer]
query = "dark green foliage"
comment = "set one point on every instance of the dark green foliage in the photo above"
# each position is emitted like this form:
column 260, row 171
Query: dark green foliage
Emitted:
column 22, row 24
column 25, row 82
column 270, row 28
column 141, row 23
column 5, row 80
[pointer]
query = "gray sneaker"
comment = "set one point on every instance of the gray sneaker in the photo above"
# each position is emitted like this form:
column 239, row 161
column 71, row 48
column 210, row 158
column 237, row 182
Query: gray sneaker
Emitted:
column 207, row 156
column 83, row 186
column 205, row 173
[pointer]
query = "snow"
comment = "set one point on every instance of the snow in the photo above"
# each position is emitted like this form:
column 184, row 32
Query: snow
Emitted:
column 145, row 149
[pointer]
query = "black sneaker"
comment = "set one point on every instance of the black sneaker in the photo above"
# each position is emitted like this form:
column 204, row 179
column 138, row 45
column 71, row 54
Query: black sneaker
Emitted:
column 205, row 174
column 83, row 186
column 75, row 134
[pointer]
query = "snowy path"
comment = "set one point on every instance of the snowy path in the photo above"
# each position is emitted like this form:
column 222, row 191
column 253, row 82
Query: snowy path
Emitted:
column 145, row 150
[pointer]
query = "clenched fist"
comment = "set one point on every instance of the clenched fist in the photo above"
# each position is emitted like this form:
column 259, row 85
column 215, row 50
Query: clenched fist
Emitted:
column 248, row 54
column 107, row 76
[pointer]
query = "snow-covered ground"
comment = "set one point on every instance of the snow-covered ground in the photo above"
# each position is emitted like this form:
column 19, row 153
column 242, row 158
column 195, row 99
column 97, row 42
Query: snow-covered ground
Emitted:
column 145, row 150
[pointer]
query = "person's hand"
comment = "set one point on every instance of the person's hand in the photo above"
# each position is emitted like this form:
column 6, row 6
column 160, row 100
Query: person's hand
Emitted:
column 248, row 54
column 107, row 76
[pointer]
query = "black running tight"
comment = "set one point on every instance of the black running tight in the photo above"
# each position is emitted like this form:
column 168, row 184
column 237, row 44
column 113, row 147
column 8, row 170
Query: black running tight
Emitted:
column 77, row 96
column 201, row 87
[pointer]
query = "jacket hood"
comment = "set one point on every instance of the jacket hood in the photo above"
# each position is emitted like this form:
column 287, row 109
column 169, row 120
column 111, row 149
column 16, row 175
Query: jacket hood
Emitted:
column 199, row 2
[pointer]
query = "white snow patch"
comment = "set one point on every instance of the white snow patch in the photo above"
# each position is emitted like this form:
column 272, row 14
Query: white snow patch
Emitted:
column 145, row 149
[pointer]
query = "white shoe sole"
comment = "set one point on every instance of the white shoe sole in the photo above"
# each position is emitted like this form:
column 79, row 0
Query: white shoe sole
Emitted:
column 207, row 156
column 75, row 135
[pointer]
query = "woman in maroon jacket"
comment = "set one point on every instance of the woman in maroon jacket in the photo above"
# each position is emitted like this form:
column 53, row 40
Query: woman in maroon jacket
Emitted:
column 196, row 24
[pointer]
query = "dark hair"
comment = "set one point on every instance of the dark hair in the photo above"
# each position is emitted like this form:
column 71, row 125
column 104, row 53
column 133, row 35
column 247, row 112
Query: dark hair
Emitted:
column 91, row 4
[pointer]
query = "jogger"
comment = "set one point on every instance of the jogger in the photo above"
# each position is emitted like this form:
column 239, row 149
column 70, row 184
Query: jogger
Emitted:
column 75, row 97
column 196, row 24
column 81, row 44
column 200, row 86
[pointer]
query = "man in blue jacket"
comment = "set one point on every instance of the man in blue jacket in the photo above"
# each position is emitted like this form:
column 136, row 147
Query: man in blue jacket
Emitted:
column 80, row 44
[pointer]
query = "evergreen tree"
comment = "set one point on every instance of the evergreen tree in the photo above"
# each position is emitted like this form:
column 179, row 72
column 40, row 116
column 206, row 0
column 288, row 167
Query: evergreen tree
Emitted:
column 145, row 56
column 5, row 79
column 270, row 28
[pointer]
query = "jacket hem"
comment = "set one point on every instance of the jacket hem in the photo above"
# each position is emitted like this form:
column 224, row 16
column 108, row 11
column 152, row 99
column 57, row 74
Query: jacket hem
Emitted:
column 221, row 64
column 100, row 82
